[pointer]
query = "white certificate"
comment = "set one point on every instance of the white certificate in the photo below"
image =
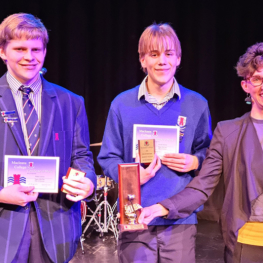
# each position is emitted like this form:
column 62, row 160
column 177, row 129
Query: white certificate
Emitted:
column 41, row 172
column 166, row 138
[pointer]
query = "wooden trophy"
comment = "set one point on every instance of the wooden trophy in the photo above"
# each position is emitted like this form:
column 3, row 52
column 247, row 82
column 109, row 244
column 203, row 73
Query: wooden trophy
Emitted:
column 146, row 150
column 130, row 197
column 71, row 174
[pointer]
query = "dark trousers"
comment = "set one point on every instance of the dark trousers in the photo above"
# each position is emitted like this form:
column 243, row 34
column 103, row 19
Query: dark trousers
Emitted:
column 160, row 244
column 31, row 249
column 244, row 254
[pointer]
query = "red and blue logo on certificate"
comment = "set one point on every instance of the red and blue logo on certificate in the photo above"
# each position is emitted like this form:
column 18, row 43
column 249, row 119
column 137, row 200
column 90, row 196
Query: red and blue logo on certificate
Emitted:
column 16, row 179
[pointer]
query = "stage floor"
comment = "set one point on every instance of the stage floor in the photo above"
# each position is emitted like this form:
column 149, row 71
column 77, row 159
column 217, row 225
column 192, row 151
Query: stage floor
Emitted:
column 209, row 246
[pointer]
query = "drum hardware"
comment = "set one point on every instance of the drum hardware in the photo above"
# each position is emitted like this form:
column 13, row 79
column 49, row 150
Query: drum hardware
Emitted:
column 102, row 181
column 109, row 219
column 110, row 222
column 81, row 244
column 83, row 211
column 96, row 144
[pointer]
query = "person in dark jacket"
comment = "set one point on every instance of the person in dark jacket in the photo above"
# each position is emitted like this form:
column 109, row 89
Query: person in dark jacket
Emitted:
column 50, row 121
column 236, row 154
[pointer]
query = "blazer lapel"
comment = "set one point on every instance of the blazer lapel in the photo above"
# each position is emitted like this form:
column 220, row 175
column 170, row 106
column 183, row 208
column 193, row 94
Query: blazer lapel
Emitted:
column 47, row 116
column 7, row 103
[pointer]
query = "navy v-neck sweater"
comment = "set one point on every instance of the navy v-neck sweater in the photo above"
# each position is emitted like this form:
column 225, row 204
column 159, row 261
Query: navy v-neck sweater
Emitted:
column 127, row 110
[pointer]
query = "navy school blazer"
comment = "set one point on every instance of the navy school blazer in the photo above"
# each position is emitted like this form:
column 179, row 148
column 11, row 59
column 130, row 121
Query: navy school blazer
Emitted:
column 64, row 133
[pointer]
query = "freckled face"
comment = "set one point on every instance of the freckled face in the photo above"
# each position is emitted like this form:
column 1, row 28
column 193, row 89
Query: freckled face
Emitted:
column 24, row 58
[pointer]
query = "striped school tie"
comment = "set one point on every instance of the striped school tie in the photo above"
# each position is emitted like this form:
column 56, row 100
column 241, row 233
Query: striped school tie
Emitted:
column 31, row 120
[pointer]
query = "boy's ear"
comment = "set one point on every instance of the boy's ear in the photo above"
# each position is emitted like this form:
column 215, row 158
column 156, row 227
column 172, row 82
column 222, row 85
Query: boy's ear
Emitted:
column 142, row 60
column 2, row 54
column 178, row 61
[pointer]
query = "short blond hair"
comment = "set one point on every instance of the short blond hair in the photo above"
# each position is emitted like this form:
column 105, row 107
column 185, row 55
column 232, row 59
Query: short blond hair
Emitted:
column 21, row 25
column 159, row 37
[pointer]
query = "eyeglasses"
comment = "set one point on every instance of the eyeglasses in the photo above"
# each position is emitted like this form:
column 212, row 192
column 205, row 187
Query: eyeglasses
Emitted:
column 255, row 81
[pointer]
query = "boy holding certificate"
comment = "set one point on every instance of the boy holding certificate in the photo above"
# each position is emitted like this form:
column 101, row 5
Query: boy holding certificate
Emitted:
column 158, row 100
column 39, row 118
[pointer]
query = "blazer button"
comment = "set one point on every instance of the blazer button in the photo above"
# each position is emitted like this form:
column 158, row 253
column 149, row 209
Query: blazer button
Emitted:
column 26, row 207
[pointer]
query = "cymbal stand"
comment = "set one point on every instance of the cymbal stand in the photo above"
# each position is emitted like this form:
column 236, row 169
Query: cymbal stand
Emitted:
column 109, row 222
column 83, row 220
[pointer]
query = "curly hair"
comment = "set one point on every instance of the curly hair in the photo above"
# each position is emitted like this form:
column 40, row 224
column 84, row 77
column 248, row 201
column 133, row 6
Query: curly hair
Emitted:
column 250, row 61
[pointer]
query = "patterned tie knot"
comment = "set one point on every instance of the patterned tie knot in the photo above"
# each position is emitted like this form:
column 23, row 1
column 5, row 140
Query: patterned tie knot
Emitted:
column 25, row 90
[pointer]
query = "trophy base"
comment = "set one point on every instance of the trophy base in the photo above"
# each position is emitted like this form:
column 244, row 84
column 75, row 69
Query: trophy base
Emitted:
column 135, row 227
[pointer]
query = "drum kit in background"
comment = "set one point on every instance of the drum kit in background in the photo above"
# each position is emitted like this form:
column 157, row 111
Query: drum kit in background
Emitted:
column 98, row 214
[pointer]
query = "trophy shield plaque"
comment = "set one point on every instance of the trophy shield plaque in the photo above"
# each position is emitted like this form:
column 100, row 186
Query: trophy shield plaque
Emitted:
column 130, row 197
column 71, row 173
column 146, row 150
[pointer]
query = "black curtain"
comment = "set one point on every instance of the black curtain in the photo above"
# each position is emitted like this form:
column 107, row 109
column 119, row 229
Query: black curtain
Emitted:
column 93, row 48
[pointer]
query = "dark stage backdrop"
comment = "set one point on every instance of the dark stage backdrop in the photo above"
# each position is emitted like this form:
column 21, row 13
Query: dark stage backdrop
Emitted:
column 93, row 48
